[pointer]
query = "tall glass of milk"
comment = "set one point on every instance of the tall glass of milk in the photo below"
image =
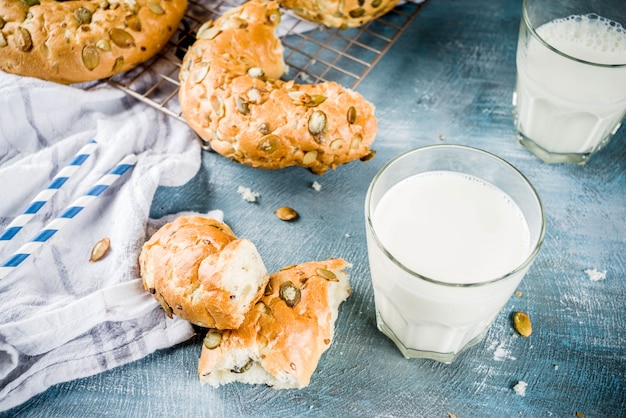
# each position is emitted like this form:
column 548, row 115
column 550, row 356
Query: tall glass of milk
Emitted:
column 451, row 231
column 570, row 93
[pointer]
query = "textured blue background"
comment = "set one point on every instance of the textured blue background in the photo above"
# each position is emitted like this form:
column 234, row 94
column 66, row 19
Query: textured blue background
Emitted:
column 450, row 75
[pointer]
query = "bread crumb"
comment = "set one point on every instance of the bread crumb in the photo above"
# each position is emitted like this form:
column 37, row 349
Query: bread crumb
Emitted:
column 518, row 294
column 595, row 275
column 247, row 194
column 347, row 235
column 520, row 388
column 316, row 186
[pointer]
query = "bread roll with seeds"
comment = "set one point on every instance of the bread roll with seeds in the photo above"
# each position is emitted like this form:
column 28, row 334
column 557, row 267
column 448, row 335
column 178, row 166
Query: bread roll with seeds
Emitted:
column 196, row 268
column 83, row 40
column 284, row 336
column 341, row 14
column 232, row 97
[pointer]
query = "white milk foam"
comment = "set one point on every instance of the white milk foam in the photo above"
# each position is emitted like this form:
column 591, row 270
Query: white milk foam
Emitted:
column 589, row 37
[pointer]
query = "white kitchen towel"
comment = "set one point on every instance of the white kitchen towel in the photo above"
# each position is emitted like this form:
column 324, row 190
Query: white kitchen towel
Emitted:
column 64, row 317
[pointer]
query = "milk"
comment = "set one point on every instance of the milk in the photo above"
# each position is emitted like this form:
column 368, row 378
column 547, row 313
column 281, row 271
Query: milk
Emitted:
column 565, row 105
column 452, row 228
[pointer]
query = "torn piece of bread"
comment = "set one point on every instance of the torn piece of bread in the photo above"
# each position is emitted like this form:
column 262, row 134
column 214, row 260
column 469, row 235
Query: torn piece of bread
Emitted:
column 196, row 268
column 284, row 335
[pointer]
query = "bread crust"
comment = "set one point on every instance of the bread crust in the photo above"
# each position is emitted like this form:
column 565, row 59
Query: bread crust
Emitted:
column 341, row 14
column 196, row 268
column 278, row 344
column 83, row 40
column 232, row 97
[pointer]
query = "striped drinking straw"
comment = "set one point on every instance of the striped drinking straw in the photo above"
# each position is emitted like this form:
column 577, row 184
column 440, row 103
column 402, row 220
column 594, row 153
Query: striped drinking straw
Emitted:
column 69, row 213
column 45, row 195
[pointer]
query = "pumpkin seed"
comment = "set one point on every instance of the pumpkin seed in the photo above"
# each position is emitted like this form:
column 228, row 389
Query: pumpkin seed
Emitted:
column 122, row 38
column 234, row 22
column 309, row 157
column 256, row 72
column 317, row 122
column 269, row 143
column 268, row 289
column 82, row 15
column 357, row 12
column 201, row 71
column 264, row 128
column 254, row 95
column 263, row 308
column 286, row 213
column 351, row 116
column 91, row 57
column 368, row 156
column 30, row 3
column 376, row 3
column 273, row 16
column 521, row 323
column 213, row 339
column 2, row 22
column 103, row 45
column 289, row 293
column 218, row 105
column 327, row 274
column 99, row 250
column 337, row 144
column 209, row 32
column 242, row 106
column 133, row 22
column 156, row 8
column 22, row 39
column 244, row 368
column 118, row 64
column 356, row 141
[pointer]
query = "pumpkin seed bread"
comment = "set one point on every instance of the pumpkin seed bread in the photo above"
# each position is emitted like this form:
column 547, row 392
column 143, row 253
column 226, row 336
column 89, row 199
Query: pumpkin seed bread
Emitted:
column 232, row 97
column 83, row 40
column 284, row 336
column 197, row 269
column 341, row 14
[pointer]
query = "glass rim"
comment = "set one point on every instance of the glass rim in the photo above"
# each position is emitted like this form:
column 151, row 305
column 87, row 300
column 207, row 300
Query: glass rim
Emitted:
column 524, row 264
column 526, row 21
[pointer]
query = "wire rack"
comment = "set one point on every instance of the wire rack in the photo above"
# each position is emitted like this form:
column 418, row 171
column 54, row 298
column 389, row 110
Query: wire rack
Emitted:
column 312, row 53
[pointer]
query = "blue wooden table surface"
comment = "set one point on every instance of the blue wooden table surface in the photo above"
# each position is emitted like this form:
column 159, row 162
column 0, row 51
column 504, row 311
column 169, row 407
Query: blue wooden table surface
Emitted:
column 449, row 78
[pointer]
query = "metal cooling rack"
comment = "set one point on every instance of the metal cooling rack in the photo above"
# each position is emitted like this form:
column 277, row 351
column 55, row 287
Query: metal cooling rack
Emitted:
column 313, row 53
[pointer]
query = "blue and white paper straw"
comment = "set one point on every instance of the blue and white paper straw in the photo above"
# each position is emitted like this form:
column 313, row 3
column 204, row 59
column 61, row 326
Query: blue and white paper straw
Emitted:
column 69, row 213
column 45, row 195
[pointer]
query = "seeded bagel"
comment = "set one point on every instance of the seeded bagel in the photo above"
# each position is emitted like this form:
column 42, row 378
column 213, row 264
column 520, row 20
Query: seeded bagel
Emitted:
column 232, row 97
column 339, row 13
column 83, row 40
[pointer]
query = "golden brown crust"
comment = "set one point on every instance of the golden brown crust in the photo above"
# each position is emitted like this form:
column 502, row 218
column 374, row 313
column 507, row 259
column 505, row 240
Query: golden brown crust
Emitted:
column 196, row 268
column 284, row 342
column 231, row 96
column 83, row 40
column 339, row 13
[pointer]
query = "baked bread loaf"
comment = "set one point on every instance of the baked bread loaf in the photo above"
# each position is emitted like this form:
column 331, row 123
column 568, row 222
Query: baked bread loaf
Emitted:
column 231, row 95
column 196, row 268
column 83, row 40
column 283, row 337
column 341, row 14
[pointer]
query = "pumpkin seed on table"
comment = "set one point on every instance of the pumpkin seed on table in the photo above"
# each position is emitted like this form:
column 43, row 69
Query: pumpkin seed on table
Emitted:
column 100, row 249
column 286, row 213
column 522, row 324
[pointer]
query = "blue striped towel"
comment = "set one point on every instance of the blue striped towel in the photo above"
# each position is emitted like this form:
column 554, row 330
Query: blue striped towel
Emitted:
column 63, row 317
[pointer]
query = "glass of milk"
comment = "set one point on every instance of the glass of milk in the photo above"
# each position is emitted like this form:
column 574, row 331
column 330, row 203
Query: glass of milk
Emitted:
column 451, row 231
column 570, row 93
